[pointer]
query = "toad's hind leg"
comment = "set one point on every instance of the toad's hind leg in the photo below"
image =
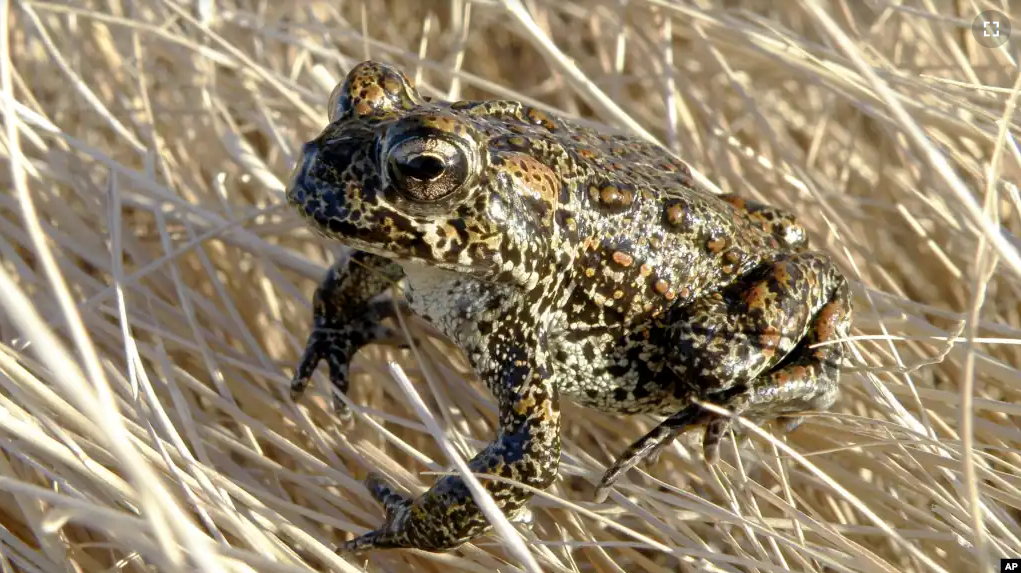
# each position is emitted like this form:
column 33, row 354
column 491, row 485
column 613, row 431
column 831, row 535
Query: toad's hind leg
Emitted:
column 805, row 379
column 345, row 319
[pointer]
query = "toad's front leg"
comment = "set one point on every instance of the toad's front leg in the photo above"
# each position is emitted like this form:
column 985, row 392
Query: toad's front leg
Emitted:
column 526, row 450
column 345, row 319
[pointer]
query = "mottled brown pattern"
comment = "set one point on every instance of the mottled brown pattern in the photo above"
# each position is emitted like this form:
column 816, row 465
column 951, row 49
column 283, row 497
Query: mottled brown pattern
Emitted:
column 564, row 262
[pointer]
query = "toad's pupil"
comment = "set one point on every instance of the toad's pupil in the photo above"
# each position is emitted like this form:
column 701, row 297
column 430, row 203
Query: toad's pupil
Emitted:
column 422, row 167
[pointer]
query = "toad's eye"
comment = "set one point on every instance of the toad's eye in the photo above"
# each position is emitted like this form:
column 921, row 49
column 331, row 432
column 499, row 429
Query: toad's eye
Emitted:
column 427, row 168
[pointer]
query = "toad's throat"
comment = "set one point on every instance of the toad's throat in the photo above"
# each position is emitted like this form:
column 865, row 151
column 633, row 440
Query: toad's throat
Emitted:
column 484, row 270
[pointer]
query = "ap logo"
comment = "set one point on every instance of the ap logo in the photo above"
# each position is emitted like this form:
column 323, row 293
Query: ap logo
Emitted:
column 1010, row 565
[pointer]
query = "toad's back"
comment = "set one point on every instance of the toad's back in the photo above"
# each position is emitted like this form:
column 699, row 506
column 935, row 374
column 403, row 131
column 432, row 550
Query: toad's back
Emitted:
column 643, row 238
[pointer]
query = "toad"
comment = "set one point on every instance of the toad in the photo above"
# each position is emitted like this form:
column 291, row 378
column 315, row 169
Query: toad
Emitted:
column 564, row 262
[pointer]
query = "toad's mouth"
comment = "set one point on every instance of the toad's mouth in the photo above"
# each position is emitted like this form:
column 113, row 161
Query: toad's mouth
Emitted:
column 373, row 239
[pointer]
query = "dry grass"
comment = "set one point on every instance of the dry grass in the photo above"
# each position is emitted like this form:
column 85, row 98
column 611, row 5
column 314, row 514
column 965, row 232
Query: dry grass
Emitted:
column 154, row 292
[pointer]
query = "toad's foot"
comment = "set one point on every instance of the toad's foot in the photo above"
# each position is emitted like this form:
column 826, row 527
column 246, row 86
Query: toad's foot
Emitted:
column 395, row 507
column 649, row 446
column 526, row 451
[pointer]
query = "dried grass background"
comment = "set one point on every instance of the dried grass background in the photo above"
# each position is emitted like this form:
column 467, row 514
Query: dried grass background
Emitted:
column 154, row 290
